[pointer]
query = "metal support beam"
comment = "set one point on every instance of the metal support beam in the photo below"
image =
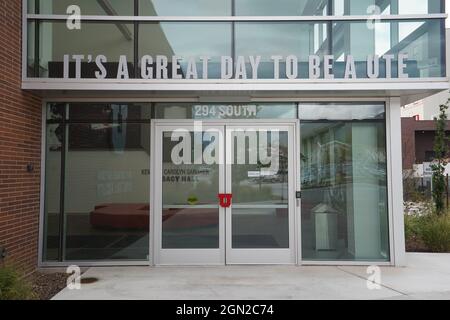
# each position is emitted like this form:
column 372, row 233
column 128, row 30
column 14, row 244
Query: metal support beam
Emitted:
column 109, row 9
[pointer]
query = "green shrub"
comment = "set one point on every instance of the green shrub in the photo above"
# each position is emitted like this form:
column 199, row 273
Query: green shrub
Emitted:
column 435, row 232
column 412, row 226
column 13, row 286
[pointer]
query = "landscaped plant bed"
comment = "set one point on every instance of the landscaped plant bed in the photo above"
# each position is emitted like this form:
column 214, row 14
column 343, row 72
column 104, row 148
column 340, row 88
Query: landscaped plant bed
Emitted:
column 416, row 245
column 426, row 231
column 46, row 285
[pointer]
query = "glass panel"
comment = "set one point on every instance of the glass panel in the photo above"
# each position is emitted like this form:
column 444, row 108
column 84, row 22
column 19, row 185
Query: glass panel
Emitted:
column 107, row 191
column 108, row 112
column 225, row 111
column 52, row 192
column 341, row 111
column 31, row 43
column 190, row 185
column 87, row 7
column 91, row 41
column 55, row 111
column 344, row 196
column 193, row 50
column 366, row 7
column 282, row 39
column 185, row 40
column 185, row 8
column 31, row 6
column 281, row 8
column 260, row 211
column 422, row 41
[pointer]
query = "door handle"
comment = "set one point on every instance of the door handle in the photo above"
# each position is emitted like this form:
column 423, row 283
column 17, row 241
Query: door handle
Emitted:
column 225, row 199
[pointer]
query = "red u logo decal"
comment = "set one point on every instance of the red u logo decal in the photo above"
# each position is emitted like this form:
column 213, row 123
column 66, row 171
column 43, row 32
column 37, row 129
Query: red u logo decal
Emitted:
column 225, row 199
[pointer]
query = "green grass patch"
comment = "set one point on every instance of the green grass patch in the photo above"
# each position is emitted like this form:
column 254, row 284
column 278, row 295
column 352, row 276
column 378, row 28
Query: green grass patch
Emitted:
column 13, row 286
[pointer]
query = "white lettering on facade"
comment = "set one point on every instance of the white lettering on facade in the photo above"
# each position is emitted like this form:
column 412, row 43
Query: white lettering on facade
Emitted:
column 178, row 67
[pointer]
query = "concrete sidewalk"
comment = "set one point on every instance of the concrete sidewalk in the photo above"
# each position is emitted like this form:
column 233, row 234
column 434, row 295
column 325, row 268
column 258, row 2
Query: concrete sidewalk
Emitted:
column 427, row 276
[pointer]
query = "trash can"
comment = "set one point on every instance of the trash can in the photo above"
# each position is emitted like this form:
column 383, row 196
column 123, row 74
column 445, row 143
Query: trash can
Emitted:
column 326, row 224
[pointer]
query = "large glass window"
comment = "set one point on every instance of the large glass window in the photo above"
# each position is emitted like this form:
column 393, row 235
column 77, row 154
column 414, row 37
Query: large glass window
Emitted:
column 282, row 39
column 87, row 7
column 252, row 49
column 270, row 50
column 421, row 41
column 244, row 111
column 344, row 182
column 386, row 7
column 185, row 7
column 114, row 41
column 97, row 182
column 240, row 7
column 281, row 8
column 53, row 226
column 185, row 40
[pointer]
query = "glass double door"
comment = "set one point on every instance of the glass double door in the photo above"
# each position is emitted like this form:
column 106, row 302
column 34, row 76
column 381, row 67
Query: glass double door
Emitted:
column 224, row 194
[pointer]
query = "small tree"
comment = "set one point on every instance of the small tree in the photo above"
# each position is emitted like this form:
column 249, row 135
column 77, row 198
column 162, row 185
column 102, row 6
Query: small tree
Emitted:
column 440, row 159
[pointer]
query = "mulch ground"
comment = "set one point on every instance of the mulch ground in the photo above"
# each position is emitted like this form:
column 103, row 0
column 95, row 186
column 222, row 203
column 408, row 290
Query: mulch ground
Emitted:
column 416, row 245
column 46, row 285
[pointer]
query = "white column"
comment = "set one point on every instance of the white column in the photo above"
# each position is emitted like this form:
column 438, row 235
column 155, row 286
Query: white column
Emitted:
column 395, row 177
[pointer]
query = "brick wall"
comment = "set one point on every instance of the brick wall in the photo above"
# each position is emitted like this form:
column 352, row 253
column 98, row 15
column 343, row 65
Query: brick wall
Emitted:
column 417, row 137
column 20, row 145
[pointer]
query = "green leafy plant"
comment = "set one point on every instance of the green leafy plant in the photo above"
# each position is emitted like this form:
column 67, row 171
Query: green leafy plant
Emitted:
column 428, row 231
column 435, row 232
column 412, row 228
column 13, row 286
column 441, row 152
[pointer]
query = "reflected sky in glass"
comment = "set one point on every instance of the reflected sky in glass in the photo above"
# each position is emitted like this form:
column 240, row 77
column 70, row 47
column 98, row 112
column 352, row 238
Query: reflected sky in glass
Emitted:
column 412, row 6
column 187, row 7
column 199, row 39
column 284, row 39
column 280, row 7
column 341, row 111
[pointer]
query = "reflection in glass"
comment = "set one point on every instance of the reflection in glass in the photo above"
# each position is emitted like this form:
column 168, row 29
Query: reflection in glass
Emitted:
column 365, row 7
column 422, row 41
column 190, row 185
column 259, row 175
column 107, row 191
column 281, row 8
column 31, row 51
column 185, row 8
column 280, row 39
column 108, row 112
column 92, row 40
column 184, row 39
column 341, row 111
column 55, row 111
column 344, row 196
column 226, row 111
column 88, row 7
column 52, row 192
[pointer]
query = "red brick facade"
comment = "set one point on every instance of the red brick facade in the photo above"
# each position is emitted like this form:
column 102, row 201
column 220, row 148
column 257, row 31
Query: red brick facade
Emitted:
column 417, row 138
column 20, row 145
